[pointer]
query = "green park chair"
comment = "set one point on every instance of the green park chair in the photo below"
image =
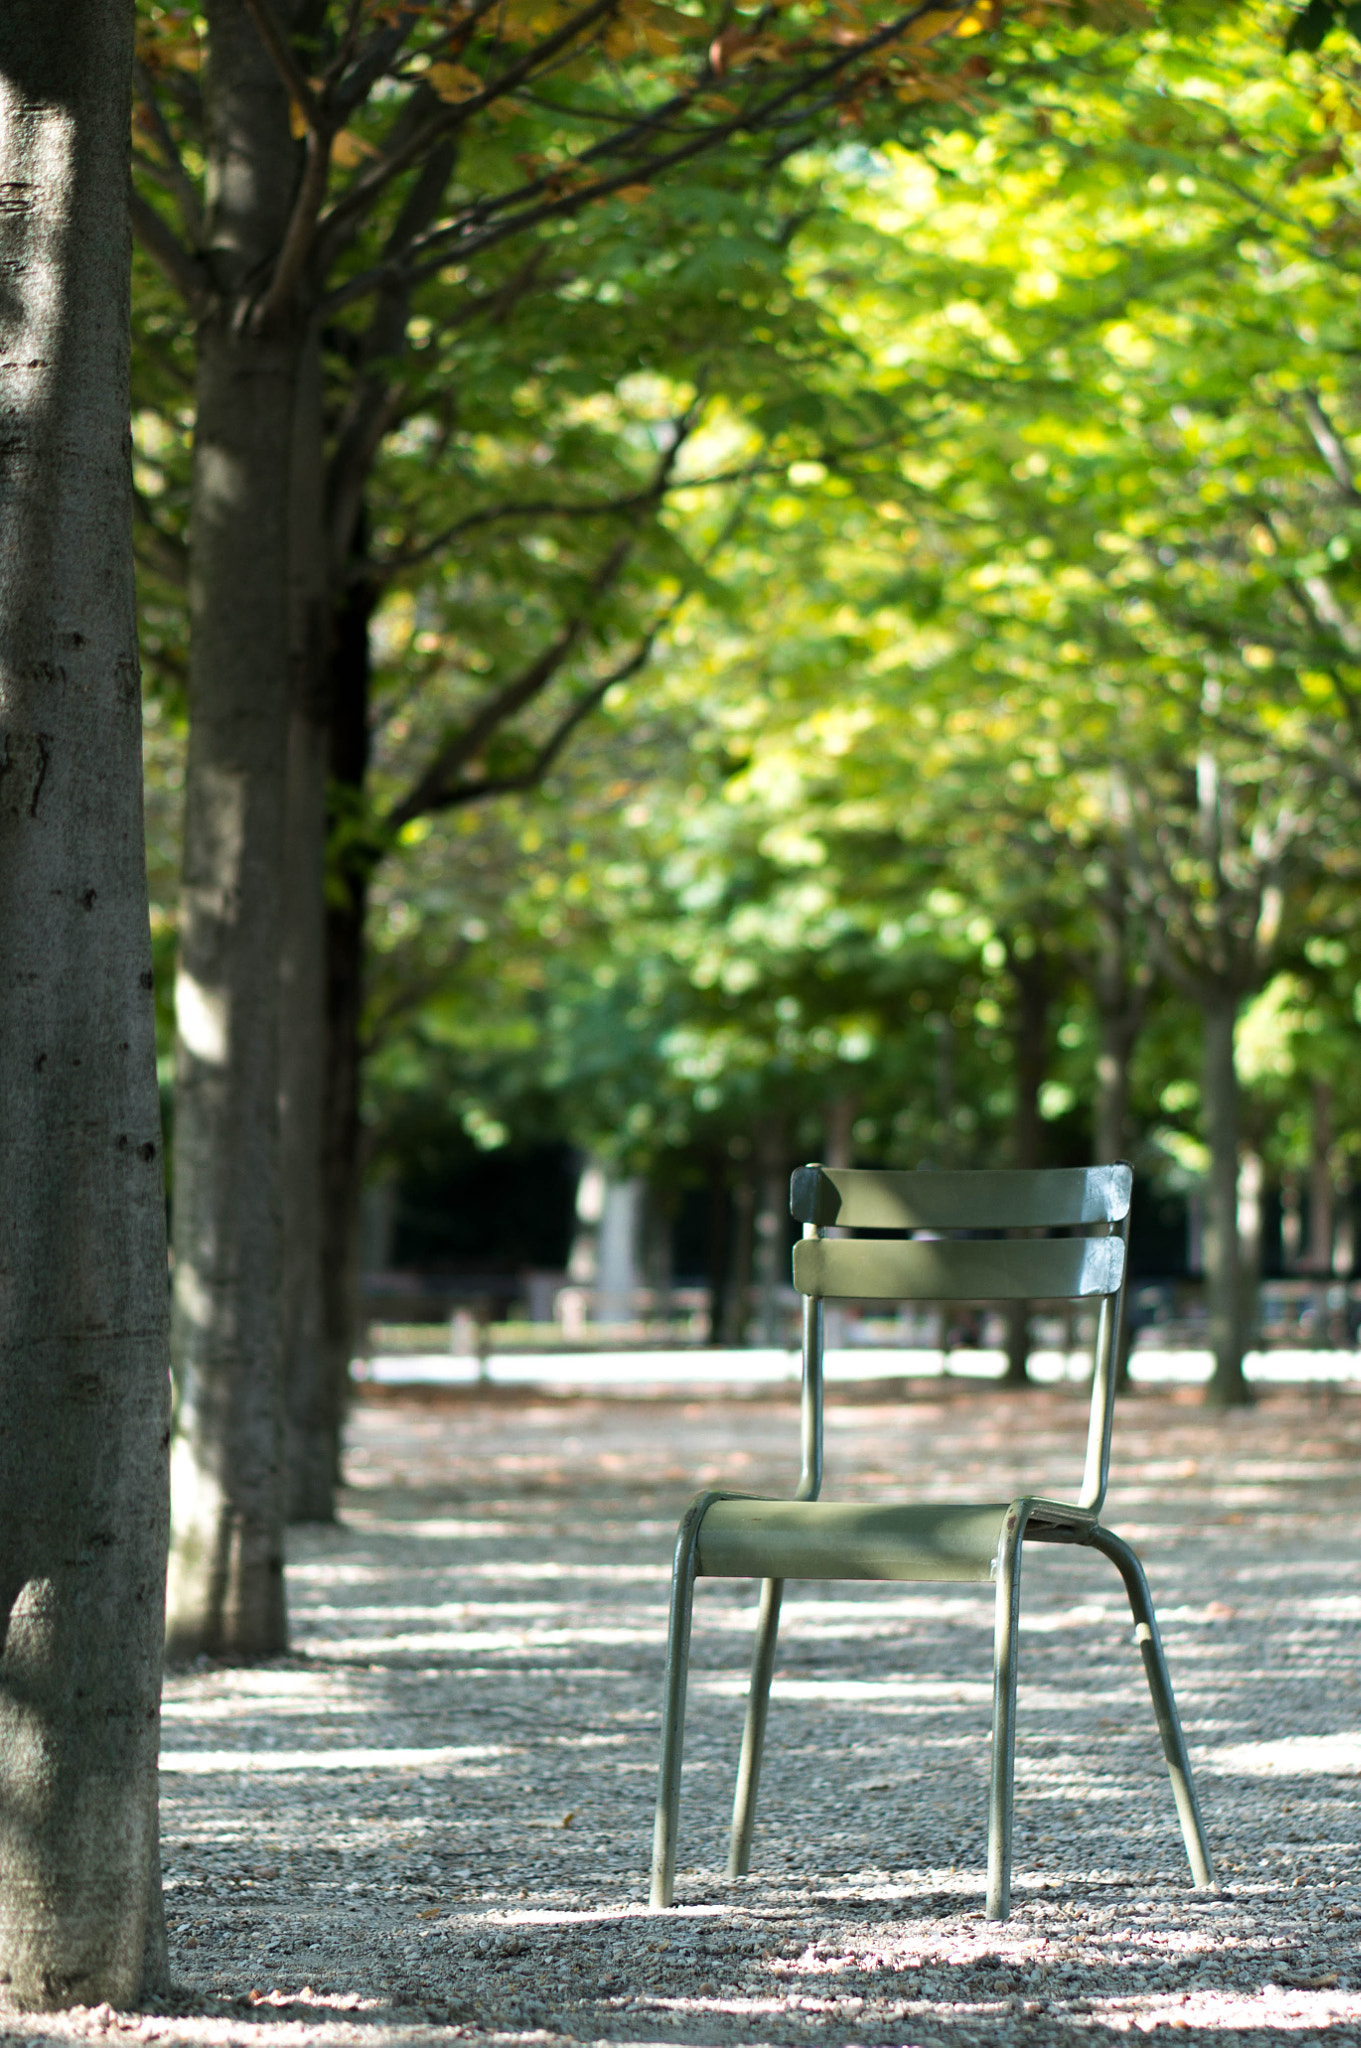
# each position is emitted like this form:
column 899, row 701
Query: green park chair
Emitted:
column 1085, row 1211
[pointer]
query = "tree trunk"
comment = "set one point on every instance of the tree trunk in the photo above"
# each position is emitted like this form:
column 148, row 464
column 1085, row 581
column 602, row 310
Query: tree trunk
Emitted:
column 1250, row 1183
column 1319, row 1257
column 838, row 1130
column 83, row 1310
column 1121, row 1000
column 226, row 1594
column 772, row 1207
column 309, row 1456
column 1290, row 1222
column 1121, row 994
column 1031, row 1053
column 742, row 1242
column 350, row 864
column 1223, row 1278
column 718, row 1249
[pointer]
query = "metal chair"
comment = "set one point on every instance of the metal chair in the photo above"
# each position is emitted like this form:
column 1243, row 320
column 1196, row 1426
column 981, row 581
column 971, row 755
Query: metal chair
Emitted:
column 725, row 1535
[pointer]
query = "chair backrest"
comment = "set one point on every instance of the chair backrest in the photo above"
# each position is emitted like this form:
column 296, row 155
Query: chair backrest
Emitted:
column 1093, row 1201
column 1051, row 1199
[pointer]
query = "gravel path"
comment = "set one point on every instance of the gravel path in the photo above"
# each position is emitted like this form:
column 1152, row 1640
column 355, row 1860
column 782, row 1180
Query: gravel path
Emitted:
column 433, row 1821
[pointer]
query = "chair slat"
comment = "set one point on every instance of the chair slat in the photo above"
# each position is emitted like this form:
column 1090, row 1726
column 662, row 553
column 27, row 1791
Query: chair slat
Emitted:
column 819, row 1539
column 955, row 1269
column 1049, row 1199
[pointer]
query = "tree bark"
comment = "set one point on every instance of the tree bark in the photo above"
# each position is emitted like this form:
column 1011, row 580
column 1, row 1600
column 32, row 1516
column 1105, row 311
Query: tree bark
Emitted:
column 718, row 1249
column 838, row 1130
column 772, row 1207
column 83, row 1309
column 742, row 1248
column 226, row 1594
column 1121, row 1001
column 1030, row 1040
column 1250, row 1184
column 1121, row 992
column 1223, row 1277
column 309, row 1455
column 350, row 866
column 1319, row 1257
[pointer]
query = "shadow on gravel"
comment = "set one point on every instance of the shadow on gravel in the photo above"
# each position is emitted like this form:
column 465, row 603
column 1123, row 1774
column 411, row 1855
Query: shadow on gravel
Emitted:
column 433, row 1820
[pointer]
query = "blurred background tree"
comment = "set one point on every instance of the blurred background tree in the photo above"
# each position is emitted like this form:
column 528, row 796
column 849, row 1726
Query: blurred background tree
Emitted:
column 840, row 640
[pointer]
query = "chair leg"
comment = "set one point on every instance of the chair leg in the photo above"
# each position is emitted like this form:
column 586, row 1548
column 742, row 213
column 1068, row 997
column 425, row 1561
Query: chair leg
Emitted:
column 673, row 1702
column 1006, row 1630
column 1164, row 1705
column 754, row 1728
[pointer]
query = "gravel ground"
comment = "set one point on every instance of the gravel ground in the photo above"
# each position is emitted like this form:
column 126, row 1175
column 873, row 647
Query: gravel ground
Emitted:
column 433, row 1820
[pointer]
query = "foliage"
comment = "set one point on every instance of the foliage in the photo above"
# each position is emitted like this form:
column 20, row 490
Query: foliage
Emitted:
column 1114, row 524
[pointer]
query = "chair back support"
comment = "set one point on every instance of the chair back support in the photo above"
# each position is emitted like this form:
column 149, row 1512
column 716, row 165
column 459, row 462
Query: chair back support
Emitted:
column 1092, row 1267
column 972, row 1269
column 1052, row 1199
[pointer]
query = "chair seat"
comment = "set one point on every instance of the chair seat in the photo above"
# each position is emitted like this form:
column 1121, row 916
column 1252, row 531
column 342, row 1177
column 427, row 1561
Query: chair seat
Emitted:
column 818, row 1539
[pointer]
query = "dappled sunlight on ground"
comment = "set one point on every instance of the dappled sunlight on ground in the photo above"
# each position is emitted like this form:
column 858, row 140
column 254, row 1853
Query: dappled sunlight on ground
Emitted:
column 434, row 1819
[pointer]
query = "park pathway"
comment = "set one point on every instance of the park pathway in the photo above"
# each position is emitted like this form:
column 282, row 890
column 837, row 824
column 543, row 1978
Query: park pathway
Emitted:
column 432, row 1822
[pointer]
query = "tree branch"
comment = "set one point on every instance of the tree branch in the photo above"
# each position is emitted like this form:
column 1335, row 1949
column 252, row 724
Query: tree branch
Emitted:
column 375, row 401
column 184, row 270
column 177, row 177
column 164, row 552
column 420, row 259
column 500, row 706
column 1330, row 612
column 275, row 40
column 350, row 88
column 298, row 238
column 462, row 793
column 1329, row 446
column 371, row 183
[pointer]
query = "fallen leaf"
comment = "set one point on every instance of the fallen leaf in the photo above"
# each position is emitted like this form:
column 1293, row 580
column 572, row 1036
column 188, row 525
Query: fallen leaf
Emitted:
column 568, row 1818
column 430, row 1913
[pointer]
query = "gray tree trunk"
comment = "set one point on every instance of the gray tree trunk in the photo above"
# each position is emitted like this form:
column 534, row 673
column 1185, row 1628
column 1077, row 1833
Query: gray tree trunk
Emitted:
column 1224, row 1294
column 226, row 1593
column 1319, row 1257
column 83, row 1311
column 742, row 1258
column 309, row 1455
column 1121, row 993
column 838, row 1130
column 341, row 1144
column 770, row 1258
column 1030, row 1038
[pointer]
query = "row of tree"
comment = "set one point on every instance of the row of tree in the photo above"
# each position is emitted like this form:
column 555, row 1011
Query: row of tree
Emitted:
column 409, row 270
column 1024, row 742
column 442, row 300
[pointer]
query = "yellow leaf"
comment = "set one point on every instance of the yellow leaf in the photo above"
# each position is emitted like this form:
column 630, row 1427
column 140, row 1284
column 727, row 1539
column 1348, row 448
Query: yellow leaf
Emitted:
column 430, row 1913
column 653, row 30
column 453, row 82
column 522, row 21
column 926, row 28
column 633, row 193
column 978, row 18
column 297, row 121
column 349, row 149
